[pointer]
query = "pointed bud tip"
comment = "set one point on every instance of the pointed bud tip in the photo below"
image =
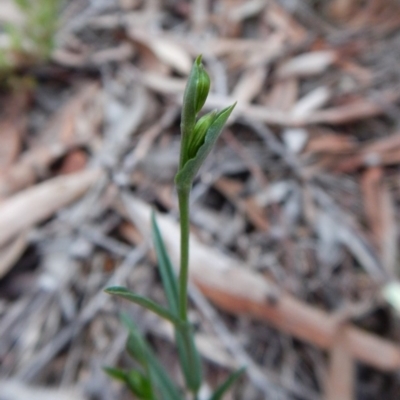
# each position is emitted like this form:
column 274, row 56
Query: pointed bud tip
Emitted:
column 199, row 59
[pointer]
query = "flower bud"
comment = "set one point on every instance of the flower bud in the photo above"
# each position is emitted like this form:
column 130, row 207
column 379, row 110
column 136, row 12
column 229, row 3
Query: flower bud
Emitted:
column 199, row 133
column 201, row 141
column 202, row 87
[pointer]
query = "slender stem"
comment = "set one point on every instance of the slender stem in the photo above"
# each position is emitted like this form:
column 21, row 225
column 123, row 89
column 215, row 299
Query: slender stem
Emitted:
column 183, row 196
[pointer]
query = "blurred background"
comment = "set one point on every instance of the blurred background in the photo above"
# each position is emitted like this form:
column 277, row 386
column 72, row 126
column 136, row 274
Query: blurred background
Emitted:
column 294, row 216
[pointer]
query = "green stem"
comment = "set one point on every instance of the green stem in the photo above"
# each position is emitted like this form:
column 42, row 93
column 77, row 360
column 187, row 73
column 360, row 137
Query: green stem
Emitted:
column 183, row 196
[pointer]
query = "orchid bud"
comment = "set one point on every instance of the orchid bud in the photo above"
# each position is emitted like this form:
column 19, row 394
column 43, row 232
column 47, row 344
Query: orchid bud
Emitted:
column 199, row 132
column 205, row 134
column 202, row 87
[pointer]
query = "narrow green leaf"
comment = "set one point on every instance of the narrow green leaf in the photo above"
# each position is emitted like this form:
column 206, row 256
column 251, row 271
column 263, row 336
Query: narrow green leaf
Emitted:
column 165, row 267
column 137, row 347
column 115, row 373
column 182, row 353
column 189, row 357
column 187, row 173
column 144, row 302
column 136, row 351
column 157, row 372
column 166, row 387
column 140, row 385
column 226, row 385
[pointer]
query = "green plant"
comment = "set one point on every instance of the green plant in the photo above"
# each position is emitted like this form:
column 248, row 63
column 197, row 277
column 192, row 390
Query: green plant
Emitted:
column 149, row 381
column 32, row 41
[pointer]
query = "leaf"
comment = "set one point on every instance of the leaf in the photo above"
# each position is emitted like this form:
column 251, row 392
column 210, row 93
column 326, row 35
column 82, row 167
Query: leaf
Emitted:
column 144, row 302
column 189, row 357
column 163, row 381
column 115, row 373
column 165, row 267
column 139, row 385
column 136, row 351
column 158, row 375
column 171, row 289
column 187, row 173
column 135, row 345
column 225, row 386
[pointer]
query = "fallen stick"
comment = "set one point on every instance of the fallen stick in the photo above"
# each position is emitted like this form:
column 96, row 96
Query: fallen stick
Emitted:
column 238, row 290
column 16, row 390
column 341, row 375
column 25, row 171
column 338, row 115
column 11, row 253
column 35, row 204
column 64, row 133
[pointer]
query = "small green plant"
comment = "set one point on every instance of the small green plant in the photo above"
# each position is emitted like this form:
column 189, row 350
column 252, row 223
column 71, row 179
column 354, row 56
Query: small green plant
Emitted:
column 33, row 40
column 150, row 381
